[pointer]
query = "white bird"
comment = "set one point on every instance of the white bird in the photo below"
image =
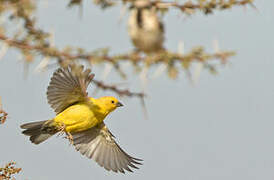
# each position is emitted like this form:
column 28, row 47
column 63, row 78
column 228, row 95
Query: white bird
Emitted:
column 145, row 28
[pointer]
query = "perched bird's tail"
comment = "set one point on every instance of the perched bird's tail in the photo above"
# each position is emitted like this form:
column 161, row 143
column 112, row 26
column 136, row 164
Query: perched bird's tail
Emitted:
column 39, row 131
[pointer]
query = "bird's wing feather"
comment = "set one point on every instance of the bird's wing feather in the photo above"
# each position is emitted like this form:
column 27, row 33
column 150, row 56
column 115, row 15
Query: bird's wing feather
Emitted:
column 98, row 143
column 68, row 86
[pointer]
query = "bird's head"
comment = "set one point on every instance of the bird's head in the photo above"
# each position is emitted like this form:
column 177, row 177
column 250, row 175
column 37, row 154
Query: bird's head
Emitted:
column 108, row 103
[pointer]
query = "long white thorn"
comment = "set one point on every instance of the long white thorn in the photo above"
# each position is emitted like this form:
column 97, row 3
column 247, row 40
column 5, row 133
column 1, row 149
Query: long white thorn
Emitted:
column 160, row 69
column 42, row 66
column 215, row 44
column 144, row 78
column 122, row 13
column 106, row 71
column 181, row 47
column 197, row 73
column 4, row 50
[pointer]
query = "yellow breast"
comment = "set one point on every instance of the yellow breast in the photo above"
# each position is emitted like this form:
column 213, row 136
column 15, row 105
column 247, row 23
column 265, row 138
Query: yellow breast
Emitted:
column 79, row 117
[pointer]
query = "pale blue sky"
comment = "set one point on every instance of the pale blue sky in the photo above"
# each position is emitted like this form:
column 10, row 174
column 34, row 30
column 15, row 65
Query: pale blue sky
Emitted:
column 220, row 129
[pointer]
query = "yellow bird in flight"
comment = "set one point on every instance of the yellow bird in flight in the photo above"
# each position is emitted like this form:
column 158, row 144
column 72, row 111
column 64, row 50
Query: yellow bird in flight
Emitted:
column 81, row 118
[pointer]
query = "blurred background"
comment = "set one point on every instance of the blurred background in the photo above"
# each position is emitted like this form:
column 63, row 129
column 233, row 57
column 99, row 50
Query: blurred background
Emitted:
column 219, row 128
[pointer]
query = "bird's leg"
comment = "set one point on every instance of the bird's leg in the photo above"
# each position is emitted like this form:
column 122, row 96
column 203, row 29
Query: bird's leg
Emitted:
column 62, row 130
column 69, row 137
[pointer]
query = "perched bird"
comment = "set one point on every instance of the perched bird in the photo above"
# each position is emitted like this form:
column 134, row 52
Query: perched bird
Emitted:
column 145, row 28
column 81, row 118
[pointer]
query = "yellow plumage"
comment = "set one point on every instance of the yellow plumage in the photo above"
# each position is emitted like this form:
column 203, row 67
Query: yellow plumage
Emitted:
column 81, row 118
column 77, row 118
column 85, row 115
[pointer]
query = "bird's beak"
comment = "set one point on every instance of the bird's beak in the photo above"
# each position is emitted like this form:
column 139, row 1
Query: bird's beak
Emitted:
column 119, row 104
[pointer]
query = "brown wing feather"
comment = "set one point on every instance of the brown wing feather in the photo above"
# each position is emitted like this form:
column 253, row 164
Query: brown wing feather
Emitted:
column 68, row 86
column 98, row 144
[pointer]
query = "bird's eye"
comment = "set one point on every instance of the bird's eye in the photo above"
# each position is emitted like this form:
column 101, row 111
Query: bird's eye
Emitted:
column 112, row 102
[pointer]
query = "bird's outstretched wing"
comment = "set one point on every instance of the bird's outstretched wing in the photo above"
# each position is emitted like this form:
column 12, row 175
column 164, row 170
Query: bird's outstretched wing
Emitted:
column 68, row 86
column 98, row 143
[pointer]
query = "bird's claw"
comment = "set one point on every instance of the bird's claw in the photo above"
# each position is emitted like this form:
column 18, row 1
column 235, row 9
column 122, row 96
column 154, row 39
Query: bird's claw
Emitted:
column 69, row 137
column 62, row 131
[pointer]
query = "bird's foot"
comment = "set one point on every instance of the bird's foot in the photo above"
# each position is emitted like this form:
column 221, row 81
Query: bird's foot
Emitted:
column 69, row 137
column 61, row 129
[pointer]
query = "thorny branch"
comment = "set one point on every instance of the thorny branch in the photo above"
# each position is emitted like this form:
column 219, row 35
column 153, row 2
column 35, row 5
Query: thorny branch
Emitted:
column 125, row 92
column 48, row 51
column 8, row 171
column 189, row 7
column 34, row 42
column 102, row 56
column 207, row 7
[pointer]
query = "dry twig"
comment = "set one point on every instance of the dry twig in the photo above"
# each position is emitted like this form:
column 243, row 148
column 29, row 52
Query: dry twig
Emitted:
column 33, row 42
column 137, row 59
column 118, row 91
column 189, row 7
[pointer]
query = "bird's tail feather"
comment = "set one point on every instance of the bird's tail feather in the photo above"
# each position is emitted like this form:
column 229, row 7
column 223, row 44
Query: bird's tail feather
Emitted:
column 38, row 131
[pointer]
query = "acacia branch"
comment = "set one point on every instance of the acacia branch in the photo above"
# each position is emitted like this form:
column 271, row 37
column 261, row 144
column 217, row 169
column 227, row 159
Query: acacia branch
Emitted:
column 114, row 88
column 35, row 42
column 102, row 56
column 189, row 7
column 207, row 7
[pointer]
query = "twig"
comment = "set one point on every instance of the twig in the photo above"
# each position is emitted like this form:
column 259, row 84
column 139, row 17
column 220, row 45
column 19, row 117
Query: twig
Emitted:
column 47, row 51
column 33, row 41
column 120, row 92
column 101, row 55
column 205, row 6
column 188, row 7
